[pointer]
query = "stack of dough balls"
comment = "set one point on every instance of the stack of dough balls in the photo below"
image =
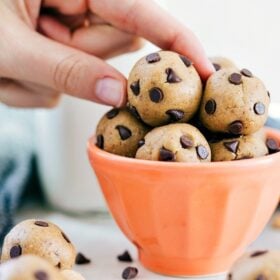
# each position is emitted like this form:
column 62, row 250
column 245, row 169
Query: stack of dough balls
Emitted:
column 36, row 249
column 170, row 116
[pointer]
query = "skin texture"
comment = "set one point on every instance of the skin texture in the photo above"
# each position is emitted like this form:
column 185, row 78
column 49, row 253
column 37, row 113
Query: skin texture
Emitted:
column 62, row 50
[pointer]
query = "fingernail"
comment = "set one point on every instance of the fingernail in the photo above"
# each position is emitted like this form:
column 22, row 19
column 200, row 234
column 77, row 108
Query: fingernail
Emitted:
column 110, row 91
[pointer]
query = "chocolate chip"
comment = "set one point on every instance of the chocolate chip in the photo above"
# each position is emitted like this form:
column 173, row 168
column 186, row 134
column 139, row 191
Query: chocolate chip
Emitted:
column 81, row 259
column 172, row 77
column 217, row 66
column 141, row 143
column 246, row 73
column 156, row 95
column 259, row 108
column 235, row 78
column 112, row 113
column 134, row 112
column 65, row 237
column 124, row 132
column 41, row 275
column 125, row 257
column 258, row 253
column 59, row 265
column 186, row 142
column 210, row 107
column 202, row 152
column 175, row 115
column 236, row 127
column 135, row 87
column 261, row 277
column 229, row 276
column 130, row 273
column 232, row 146
column 186, row 61
column 272, row 145
column 268, row 94
column 15, row 251
column 100, row 141
column 166, row 155
column 153, row 57
column 41, row 224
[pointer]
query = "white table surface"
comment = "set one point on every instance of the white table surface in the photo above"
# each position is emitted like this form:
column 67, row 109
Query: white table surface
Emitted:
column 100, row 239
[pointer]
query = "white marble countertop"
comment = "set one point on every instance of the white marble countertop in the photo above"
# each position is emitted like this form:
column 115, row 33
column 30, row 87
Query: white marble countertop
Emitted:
column 100, row 239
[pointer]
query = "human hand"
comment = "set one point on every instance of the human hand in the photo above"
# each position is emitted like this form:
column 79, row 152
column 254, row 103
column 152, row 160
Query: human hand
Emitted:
column 35, row 68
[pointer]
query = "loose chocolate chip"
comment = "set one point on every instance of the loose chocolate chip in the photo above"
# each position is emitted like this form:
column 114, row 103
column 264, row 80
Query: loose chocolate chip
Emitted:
column 272, row 145
column 15, row 251
column 259, row 108
column 246, row 73
column 236, row 127
column 81, row 259
column 268, row 94
column 59, row 265
column 217, row 66
column 65, row 237
column 210, row 107
column 235, row 78
column 261, row 277
column 156, row 95
column 153, row 57
column 41, row 275
column 124, row 132
column 186, row 61
column 202, row 152
column 135, row 87
column 232, row 146
column 125, row 257
column 141, row 143
column 41, row 224
column 186, row 142
column 112, row 113
column 258, row 253
column 100, row 141
column 175, row 115
column 130, row 273
column 166, row 155
column 172, row 77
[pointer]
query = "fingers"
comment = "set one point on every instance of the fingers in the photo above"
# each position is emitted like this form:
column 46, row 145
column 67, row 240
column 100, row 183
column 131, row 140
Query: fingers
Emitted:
column 102, row 40
column 145, row 18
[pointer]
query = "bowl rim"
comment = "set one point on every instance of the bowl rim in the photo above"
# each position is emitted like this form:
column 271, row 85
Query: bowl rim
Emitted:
column 264, row 160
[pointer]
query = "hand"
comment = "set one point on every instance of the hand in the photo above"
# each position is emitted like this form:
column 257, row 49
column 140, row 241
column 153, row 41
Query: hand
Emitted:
column 75, row 36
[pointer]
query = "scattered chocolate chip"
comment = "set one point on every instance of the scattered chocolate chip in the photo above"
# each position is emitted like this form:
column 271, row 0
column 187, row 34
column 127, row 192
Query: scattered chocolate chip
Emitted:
column 186, row 61
column 100, row 141
column 81, row 259
column 125, row 257
column 41, row 275
column 41, row 223
column 135, row 87
column 172, row 77
column 153, row 57
column 236, row 127
column 175, row 115
column 15, row 251
column 141, row 143
column 202, row 152
column 130, row 273
column 272, row 145
column 246, row 73
column 124, row 132
column 232, row 146
column 156, row 95
column 112, row 113
column 229, row 276
column 261, row 277
column 210, row 107
column 258, row 253
column 166, row 155
column 235, row 78
column 217, row 66
column 259, row 108
column 186, row 142
column 134, row 112
column 268, row 94
column 59, row 265
column 65, row 237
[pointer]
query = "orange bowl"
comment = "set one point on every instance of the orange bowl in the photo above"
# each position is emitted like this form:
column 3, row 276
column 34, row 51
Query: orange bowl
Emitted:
column 189, row 218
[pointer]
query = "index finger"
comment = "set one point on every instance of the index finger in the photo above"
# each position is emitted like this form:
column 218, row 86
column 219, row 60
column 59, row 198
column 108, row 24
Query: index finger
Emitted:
column 146, row 19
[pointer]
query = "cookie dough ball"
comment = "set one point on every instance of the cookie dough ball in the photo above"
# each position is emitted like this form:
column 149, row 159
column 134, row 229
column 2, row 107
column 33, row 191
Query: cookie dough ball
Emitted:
column 243, row 147
column 164, row 87
column 29, row 267
column 42, row 239
column 71, row 275
column 220, row 62
column 175, row 142
column 258, row 265
column 234, row 102
column 119, row 132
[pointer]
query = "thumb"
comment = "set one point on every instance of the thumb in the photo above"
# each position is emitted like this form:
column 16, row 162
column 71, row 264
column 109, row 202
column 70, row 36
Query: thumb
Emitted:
column 38, row 59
